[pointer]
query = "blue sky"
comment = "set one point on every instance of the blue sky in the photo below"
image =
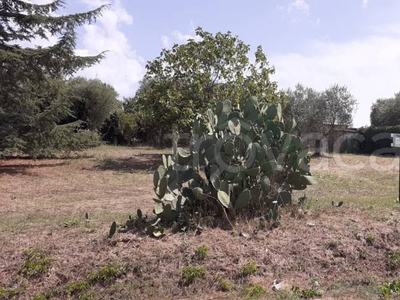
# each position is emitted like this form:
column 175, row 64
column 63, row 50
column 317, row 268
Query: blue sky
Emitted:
column 314, row 42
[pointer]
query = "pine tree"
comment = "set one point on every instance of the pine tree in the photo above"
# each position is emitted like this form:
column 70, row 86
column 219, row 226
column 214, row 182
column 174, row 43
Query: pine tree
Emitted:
column 32, row 89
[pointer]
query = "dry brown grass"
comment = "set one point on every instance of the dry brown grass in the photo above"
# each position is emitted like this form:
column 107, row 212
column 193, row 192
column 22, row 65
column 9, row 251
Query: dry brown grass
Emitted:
column 109, row 183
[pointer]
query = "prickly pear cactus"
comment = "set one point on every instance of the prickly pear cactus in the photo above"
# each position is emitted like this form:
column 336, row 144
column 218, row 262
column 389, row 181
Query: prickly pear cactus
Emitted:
column 249, row 159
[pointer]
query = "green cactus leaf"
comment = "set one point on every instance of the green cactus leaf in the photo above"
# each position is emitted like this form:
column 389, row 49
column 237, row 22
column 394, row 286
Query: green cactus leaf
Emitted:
column 224, row 199
column 162, row 187
column 267, row 137
column 243, row 199
column 158, row 208
column 303, row 152
column 210, row 152
column 279, row 111
column 198, row 193
column 215, row 181
column 183, row 157
column 164, row 159
column 227, row 107
column 224, row 186
column 168, row 214
column 156, row 179
column 269, row 166
column 228, row 148
column 234, row 115
column 310, row 179
column 222, row 122
column 260, row 153
column 252, row 172
column 234, row 126
column 271, row 112
column 150, row 230
column 219, row 108
column 139, row 214
column 113, row 229
column 266, row 184
column 170, row 161
column 162, row 171
column 169, row 197
column 157, row 233
column 284, row 198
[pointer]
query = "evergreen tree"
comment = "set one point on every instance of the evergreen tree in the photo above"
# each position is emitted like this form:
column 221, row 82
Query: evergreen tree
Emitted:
column 32, row 90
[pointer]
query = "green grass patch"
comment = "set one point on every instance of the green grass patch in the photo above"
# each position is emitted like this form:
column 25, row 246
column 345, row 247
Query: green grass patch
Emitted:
column 35, row 265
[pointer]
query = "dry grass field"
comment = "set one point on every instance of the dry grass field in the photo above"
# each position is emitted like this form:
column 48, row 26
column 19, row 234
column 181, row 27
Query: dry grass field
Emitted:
column 48, row 250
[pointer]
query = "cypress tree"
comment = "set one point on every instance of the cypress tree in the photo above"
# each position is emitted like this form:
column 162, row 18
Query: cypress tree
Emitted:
column 32, row 87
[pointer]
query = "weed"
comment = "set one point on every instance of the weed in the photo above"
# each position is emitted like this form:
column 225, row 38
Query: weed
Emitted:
column 248, row 269
column 306, row 293
column 358, row 236
column 371, row 239
column 189, row 274
column 223, row 284
column 76, row 288
column 253, row 291
column 69, row 223
column 393, row 260
column 39, row 296
column 35, row 264
column 362, row 253
column 201, row 252
column 389, row 288
column 106, row 275
column 9, row 293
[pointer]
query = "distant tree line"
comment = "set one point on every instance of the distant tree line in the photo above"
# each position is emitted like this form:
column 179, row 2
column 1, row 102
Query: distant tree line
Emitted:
column 44, row 109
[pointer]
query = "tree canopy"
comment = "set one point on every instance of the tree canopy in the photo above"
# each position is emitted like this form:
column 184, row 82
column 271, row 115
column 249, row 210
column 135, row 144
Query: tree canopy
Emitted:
column 386, row 112
column 32, row 93
column 319, row 112
column 92, row 101
column 192, row 77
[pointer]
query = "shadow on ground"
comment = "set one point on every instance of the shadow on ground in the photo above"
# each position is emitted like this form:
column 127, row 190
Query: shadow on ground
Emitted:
column 136, row 163
column 22, row 169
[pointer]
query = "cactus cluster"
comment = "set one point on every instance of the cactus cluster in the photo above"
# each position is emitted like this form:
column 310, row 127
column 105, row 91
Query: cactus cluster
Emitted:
column 238, row 159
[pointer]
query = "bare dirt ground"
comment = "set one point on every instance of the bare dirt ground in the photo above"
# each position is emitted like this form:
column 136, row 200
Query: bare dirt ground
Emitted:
column 345, row 252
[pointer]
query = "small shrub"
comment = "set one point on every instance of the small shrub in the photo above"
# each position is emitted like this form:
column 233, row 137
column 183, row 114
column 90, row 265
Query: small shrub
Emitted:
column 306, row 293
column 393, row 260
column 189, row 274
column 371, row 239
column 201, row 252
column 9, row 293
column 254, row 291
column 70, row 223
column 223, row 284
column 248, row 269
column 389, row 288
column 76, row 288
column 106, row 275
column 362, row 253
column 35, row 264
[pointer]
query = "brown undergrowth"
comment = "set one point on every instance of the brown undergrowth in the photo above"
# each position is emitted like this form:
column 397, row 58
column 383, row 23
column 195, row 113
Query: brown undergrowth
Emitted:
column 345, row 252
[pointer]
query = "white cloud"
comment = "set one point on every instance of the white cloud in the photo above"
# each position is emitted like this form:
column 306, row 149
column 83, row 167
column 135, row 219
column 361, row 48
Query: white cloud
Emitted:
column 122, row 67
column 301, row 5
column 166, row 41
column 369, row 67
column 179, row 37
column 364, row 3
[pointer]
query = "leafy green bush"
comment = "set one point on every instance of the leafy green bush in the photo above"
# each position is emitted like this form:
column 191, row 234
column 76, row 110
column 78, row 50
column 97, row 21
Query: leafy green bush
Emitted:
column 248, row 269
column 189, row 274
column 35, row 264
column 246, row 160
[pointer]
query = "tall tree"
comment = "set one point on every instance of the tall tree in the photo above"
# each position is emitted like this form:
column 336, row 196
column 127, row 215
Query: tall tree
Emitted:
column 32, row 94
column 386, row 112
column 191, row 77
column 92, row 101
column 319, row 112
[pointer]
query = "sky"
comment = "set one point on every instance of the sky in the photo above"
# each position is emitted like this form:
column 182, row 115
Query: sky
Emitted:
column 317, row 43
